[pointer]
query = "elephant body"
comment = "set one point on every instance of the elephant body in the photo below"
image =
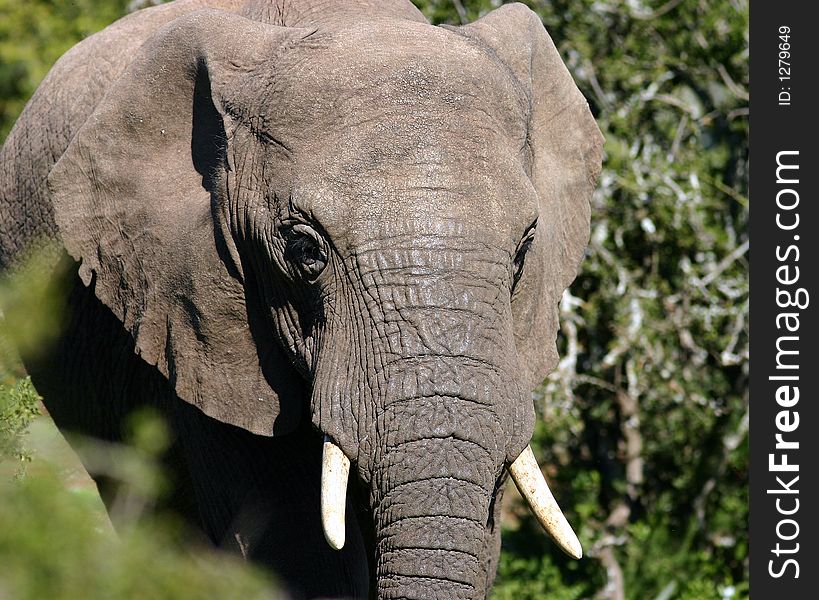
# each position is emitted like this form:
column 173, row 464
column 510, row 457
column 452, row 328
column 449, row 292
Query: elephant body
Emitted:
column 287, row 222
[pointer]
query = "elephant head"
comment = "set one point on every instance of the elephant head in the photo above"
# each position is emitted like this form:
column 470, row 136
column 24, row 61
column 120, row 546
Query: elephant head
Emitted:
column 373, row 216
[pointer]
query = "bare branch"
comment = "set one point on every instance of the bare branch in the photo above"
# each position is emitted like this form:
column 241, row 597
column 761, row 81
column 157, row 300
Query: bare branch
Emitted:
column 596, row 381
column 736, row 89
column 675, row 146
column 668, row 6
column 459, row 8
column 730, row 442
column 601, row 95
column 630, row 429
column 722, row 266
column 615, row 588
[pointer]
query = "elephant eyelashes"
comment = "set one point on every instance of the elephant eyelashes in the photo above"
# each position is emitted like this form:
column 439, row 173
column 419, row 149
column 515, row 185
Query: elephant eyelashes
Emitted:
column 520, row 255
column 307, row 250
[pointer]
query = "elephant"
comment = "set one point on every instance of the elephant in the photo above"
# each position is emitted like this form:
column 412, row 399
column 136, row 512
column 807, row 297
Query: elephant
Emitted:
column 327, row 241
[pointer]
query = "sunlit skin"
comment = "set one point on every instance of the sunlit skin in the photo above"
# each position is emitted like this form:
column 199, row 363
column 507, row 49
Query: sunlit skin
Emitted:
column 317, row 221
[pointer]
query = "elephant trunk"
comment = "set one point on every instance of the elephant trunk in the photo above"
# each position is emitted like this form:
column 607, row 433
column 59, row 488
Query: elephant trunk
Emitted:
column 435, row 414
column 432, row 519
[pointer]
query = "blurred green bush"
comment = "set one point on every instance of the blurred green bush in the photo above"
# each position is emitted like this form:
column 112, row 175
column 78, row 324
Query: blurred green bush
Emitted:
column 56, row 541
column 56, row 544
column 18, row 408
column 33, row 35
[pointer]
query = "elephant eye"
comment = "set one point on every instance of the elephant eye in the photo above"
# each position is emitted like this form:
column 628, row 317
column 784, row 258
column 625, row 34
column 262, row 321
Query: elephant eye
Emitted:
column 520, row 255
column 307, row 250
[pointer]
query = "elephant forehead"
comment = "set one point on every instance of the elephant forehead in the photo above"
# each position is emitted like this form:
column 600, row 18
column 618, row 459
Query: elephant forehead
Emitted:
column 394, row 72
column 403, row 124
column 443, row 193
column 405, row 175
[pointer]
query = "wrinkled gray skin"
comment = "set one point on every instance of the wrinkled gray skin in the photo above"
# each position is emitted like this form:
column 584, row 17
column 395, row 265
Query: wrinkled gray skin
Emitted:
column 306, row 217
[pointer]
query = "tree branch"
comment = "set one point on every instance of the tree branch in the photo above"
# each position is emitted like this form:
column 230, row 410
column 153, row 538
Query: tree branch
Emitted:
column 459, row 8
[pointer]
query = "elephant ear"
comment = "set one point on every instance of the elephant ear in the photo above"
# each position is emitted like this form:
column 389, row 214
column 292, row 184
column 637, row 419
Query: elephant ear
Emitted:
column 136, row 199
column 565, row 149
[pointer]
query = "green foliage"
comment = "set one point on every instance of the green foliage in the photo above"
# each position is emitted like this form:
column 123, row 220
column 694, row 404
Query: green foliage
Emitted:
column 19, row 404
column 52, row 545
column 31, row 300
column 33, row 35
column 56, row 540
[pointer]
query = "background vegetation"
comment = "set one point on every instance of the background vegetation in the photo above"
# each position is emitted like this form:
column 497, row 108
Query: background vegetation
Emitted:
column 644, row 425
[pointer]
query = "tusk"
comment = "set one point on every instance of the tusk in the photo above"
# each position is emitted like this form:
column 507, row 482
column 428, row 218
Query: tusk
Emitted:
column 335, row 468
column 533, row 487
